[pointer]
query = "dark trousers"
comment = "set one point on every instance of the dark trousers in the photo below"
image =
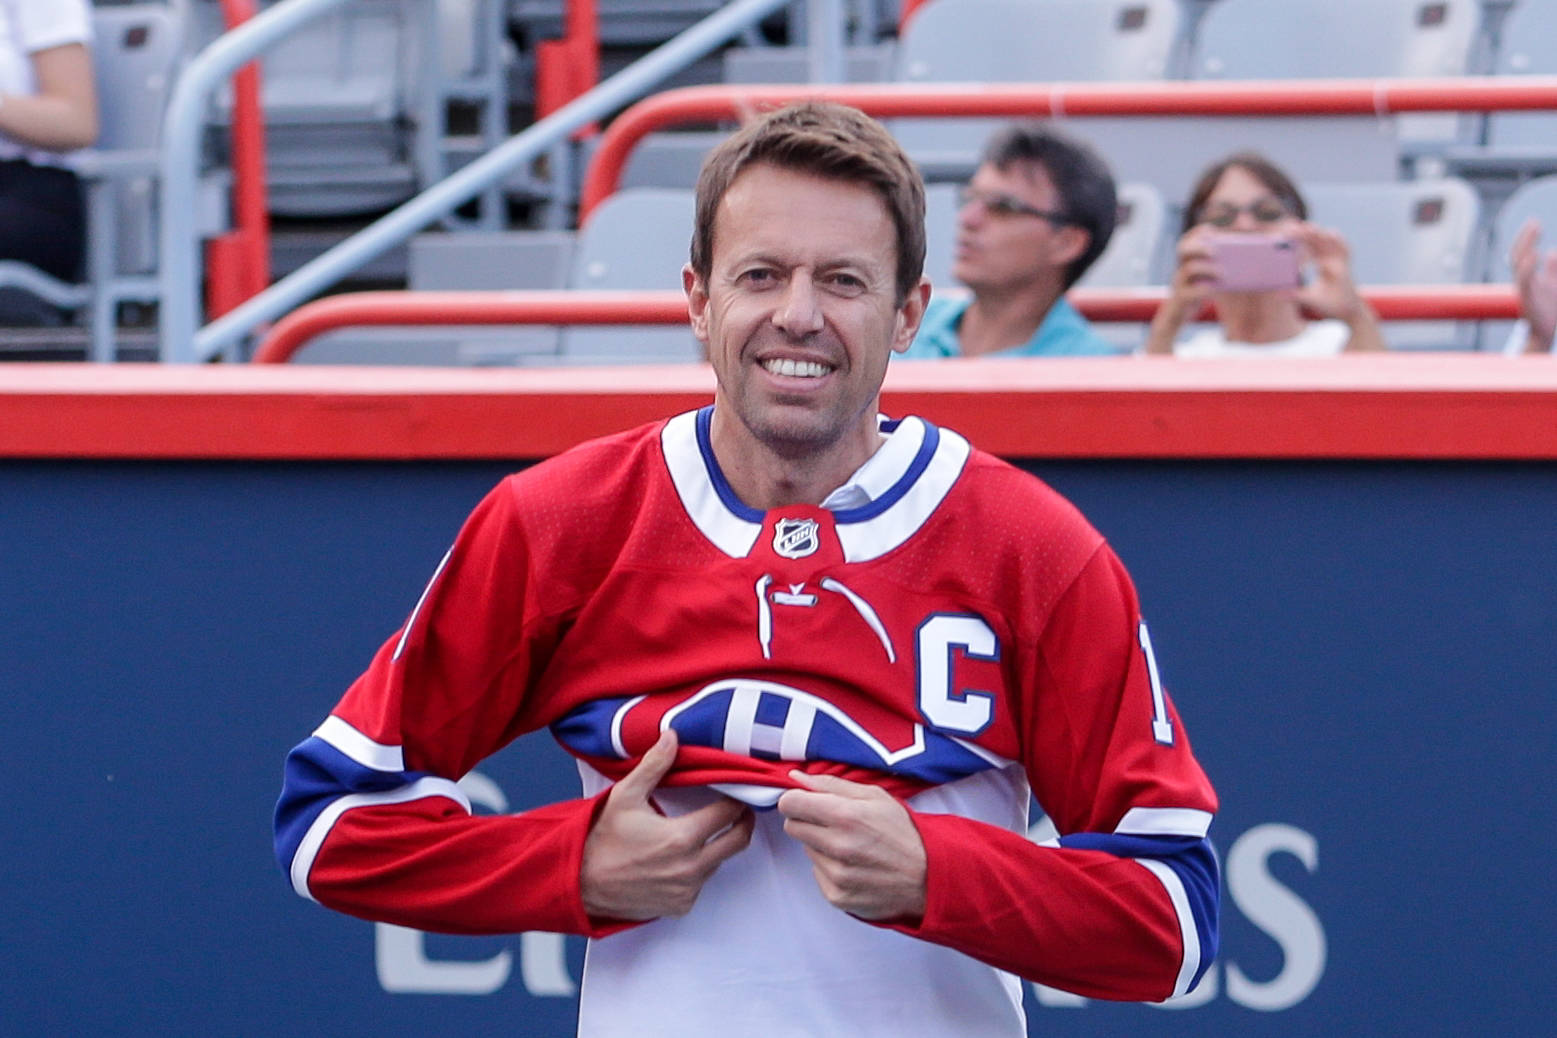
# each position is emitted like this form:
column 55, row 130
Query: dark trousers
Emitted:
column 42, row 218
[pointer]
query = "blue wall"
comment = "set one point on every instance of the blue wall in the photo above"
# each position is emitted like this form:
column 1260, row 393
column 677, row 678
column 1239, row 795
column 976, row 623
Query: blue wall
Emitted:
column 1360, row 652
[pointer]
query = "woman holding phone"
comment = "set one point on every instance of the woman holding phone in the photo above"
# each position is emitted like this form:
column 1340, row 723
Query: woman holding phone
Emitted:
column 1246, row 241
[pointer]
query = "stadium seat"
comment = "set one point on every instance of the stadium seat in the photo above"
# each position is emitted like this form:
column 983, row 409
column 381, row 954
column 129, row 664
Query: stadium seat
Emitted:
column 136, row 50
column 1525, row 143
column 353, row 122
column 459, row 262
column 1419, row 232
column 636, row 239
column 1278, row 39
column 1020, row 41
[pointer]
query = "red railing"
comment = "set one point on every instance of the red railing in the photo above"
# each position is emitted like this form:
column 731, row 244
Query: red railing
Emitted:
column 390, row 309
column 702, row 104
column 238, row 262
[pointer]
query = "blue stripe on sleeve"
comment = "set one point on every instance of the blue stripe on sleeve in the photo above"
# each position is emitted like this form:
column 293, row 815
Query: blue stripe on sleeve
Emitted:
column 317, row 774
column 1192, row 859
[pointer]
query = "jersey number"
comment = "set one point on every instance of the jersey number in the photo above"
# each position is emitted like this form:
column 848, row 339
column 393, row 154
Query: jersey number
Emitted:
column 1162, row 727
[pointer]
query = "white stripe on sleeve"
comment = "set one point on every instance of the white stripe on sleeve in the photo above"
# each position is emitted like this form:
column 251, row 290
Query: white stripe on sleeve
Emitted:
column 1164, row 821
column 360, row 748
column 308, row 849
column 1191, row 937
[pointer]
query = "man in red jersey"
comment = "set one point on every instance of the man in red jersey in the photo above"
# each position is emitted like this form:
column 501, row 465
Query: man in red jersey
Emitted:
column 811, row 661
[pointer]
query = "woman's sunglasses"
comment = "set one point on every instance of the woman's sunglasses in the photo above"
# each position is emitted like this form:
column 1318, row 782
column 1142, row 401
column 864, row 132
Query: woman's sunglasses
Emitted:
column 1266, row 210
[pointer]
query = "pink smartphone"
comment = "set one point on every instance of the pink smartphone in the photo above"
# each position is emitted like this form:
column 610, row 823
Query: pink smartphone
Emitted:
column 1248, row 262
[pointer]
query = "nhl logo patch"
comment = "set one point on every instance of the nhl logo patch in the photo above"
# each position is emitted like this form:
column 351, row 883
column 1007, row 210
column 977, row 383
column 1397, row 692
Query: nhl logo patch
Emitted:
column 796, row 538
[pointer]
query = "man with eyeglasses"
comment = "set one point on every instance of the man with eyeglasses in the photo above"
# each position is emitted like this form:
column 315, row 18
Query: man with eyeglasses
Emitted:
column 1037, row 213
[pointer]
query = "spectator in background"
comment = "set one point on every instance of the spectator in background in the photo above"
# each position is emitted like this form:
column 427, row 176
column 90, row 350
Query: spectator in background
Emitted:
column 1535, row 275
column 48, row 106
column 1037, row 213
column 1248, row 193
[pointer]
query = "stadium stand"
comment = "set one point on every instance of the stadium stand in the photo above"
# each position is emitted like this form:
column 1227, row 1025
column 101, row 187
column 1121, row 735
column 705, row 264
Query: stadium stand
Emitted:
column 1515, row 145
column 1016, row 41
column 1343, row 39
column 344, row 101
column 359, row 113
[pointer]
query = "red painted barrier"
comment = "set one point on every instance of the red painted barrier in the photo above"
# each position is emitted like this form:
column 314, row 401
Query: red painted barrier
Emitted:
column 1404, row 406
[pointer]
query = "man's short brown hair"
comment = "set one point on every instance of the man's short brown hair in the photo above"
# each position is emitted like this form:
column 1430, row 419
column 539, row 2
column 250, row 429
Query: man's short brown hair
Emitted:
column 826, row 140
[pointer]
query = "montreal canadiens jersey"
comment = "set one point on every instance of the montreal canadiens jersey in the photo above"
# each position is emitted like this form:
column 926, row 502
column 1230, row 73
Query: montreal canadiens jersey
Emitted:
column 958, row 635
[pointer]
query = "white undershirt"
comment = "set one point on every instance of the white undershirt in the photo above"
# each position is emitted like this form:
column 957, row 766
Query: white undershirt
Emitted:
column 1326, row 338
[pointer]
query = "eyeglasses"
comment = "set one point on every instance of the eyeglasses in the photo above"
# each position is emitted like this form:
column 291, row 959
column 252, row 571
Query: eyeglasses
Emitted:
column 1005, row 207
column 1224, row 214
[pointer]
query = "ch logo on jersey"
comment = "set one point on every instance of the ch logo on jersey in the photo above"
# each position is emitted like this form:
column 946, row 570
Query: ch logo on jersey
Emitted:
column 766, row 720
column 796, row 538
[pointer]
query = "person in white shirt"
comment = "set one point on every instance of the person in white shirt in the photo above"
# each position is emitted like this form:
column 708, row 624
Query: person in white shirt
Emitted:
column 1326, row 316
column 48, row 106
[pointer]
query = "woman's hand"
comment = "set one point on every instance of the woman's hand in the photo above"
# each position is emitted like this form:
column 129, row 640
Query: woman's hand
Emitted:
column 1194, row 278
column 1332, row 292
column 1535, row 275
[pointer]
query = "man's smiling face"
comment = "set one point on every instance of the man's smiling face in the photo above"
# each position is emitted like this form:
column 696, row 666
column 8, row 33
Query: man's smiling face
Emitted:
column 799, row 313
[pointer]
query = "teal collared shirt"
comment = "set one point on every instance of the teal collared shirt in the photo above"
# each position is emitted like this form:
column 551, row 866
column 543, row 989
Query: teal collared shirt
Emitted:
column 1063, row 333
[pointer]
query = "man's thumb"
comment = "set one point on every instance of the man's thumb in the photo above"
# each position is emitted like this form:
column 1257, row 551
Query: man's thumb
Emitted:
column 651, row 768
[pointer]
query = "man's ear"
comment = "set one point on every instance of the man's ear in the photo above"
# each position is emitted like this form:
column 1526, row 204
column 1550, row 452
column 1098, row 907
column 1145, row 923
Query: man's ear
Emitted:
column 1067, row 244
column 910, row 315
column 697, row 302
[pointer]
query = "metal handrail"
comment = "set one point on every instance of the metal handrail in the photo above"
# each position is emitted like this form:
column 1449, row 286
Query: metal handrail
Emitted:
column 181, row 342
column 422, row 309
column 1336, row 97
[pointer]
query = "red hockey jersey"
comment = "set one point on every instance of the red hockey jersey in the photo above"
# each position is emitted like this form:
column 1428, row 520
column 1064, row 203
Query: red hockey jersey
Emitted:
column 956, row 634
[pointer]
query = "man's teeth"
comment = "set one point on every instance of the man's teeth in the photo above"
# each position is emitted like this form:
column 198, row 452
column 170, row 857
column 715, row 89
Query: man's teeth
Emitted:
column 795, row 368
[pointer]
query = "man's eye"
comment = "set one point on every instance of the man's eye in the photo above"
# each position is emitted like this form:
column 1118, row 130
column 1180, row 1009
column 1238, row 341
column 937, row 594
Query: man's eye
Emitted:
column 759, row 276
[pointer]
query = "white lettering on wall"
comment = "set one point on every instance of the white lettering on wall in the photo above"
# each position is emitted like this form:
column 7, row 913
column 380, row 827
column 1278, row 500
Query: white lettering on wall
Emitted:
column 1284, row 916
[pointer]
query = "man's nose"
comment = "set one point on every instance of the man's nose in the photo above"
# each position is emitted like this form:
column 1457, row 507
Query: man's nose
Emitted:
column 970, row 213
column 799, row 311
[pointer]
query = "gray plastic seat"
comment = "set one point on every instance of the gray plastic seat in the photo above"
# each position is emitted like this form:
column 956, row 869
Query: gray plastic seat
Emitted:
column 1421, row 232
column 345, row 99
column 636, row 239
column 1526, row 140
column 1278, row 39
column 995, row 41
